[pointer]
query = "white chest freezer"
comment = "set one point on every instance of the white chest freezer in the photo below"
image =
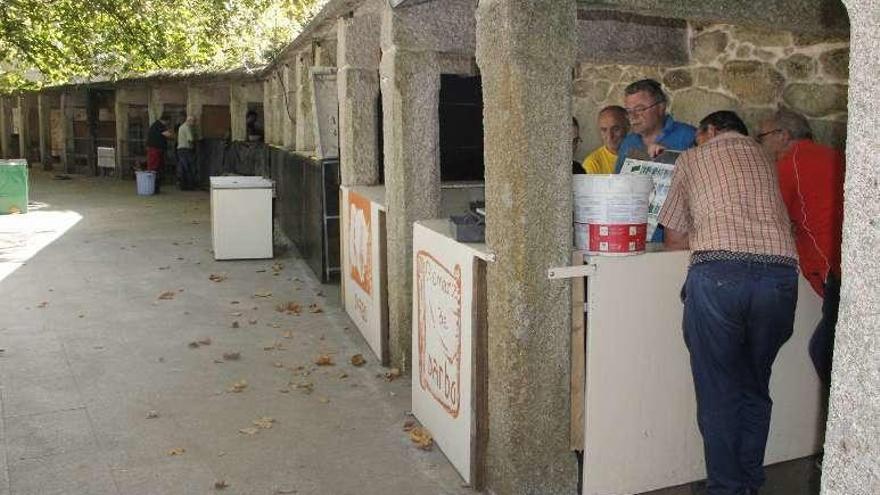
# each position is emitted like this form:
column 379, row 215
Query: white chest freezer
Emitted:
column 241, row 217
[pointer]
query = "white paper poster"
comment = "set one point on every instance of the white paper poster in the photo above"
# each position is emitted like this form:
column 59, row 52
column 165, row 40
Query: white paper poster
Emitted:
column 661, row 173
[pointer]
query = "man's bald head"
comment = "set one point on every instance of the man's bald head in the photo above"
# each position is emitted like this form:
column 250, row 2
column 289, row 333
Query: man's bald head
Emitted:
column 613, row 126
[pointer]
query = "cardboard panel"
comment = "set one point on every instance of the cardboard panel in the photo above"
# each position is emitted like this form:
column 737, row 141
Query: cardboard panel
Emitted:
column 362, row 280
column 640, row 427
column 443, row 343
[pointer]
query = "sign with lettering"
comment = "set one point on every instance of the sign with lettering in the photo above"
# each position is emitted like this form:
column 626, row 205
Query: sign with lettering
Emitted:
column 438, row 316
column 361, row 257
column 443, row 322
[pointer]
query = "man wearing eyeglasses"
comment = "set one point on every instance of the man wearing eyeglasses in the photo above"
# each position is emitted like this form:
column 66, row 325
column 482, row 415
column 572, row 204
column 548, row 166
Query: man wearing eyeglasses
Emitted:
column 811, row 182
column 651, row 128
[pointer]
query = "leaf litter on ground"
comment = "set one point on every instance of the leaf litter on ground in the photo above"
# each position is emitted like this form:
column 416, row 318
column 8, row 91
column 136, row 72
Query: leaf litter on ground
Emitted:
column 237, row 387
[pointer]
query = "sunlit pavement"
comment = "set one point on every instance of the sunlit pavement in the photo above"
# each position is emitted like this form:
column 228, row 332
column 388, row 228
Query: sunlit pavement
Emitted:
column 107, row 387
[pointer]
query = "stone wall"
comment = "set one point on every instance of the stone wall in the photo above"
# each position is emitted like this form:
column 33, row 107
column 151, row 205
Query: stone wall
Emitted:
column 732, row 68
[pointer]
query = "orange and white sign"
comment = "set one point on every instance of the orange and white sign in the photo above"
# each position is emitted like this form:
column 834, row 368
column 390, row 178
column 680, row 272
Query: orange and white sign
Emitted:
column 361, row 255
column 438, row 314
column 360, row 244
column 442, row 342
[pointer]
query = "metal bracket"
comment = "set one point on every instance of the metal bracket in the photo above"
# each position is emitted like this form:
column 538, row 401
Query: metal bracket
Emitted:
column 571, row 271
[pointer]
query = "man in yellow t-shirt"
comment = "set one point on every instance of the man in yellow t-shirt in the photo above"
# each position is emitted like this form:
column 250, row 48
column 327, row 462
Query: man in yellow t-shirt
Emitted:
column 613, row 126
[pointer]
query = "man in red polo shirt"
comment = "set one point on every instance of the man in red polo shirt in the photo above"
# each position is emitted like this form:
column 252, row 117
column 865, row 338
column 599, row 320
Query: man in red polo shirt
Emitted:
column 811, row 181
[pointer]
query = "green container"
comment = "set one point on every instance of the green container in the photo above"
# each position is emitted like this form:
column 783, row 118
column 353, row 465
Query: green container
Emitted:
column 13, row 186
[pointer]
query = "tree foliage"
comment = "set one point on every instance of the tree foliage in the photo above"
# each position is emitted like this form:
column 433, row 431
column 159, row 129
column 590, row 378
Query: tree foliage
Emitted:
column 46, row 42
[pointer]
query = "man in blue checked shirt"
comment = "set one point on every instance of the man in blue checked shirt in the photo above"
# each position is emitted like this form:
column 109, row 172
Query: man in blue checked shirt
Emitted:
column 652, row 130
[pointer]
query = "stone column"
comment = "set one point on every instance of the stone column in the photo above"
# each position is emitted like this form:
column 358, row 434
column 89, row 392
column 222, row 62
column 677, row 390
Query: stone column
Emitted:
column 24, row 131
column 66, row 131
column 525, row 50
column 120, row 110
column 305, row 133
column 44, row 108
column 358, row 84
column 237, row 111
column 5, row 127
column 410, row 94
column 268, row 111
column 852, row 440
column 288, row 94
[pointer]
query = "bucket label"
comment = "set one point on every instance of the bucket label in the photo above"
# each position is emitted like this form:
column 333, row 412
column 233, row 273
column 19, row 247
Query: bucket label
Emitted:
column 616, row 238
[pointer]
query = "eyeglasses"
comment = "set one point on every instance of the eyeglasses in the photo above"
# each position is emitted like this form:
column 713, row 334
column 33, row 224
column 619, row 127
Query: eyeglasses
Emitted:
column 641, row 110
column 760, row 137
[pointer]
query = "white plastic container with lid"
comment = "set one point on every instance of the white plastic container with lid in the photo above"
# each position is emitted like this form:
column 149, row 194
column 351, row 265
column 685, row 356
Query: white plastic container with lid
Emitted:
column 611, row 213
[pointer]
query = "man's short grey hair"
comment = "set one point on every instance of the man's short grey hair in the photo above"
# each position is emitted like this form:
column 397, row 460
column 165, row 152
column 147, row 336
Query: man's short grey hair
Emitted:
column 797, row 126
column 649, row 86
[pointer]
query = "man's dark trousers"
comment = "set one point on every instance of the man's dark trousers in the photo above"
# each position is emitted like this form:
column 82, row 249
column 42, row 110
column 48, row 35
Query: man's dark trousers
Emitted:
column 822, row 342
column 186, row 175
column 737, row 315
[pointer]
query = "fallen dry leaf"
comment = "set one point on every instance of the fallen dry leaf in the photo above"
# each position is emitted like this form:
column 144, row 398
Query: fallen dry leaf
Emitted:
column 273, row 325
column 152, row 414
column 235, row 324
column 234, row 302
column 277, row 346
column 193, row 345
column 324, row 360
column 252, row 322
column 314, row 308
column 288, row 334
column 278, row 364
column 409, row 425
column 231, row 356
column 168, row 294
column 205, row 341
column 264, row 423
column 221, row 485
column 217, row 277
column 250, row 430
column 421, row 437
column 277, row 267
column 176, row 451
column 290, row 308
column 164, row 268
column 324, row 400
column 358, row 360
column 264, row 293
column 43, row 304
column 305, row 387
column 392, row 374
column 237, row 387
column 343, row 375
column 237, row 314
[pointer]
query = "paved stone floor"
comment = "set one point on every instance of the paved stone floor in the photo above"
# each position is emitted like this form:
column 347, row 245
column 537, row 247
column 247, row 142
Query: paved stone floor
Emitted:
column 89, row 349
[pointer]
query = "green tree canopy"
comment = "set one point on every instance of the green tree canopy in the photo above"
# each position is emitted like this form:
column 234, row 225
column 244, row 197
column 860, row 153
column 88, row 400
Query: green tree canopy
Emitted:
column 45, row 42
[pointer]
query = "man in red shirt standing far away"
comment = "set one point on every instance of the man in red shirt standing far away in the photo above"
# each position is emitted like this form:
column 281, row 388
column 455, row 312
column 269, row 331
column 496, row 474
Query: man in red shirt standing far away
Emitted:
column 811, row 182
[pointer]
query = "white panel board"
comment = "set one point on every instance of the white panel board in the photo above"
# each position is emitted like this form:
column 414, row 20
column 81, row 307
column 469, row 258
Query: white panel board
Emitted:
column 361, row 277
column 442, row 337
column 640, row 427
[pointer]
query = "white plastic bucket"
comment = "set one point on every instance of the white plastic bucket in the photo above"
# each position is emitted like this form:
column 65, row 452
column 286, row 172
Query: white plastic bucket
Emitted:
column 611, row 213
column 146, row 182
